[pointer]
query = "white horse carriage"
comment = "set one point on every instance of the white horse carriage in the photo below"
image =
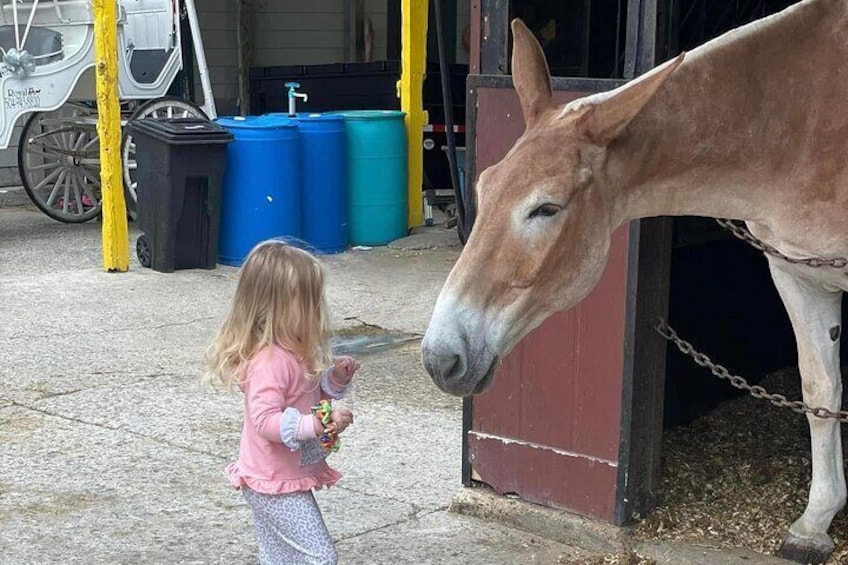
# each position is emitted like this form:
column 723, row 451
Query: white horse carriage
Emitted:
column 47, row 77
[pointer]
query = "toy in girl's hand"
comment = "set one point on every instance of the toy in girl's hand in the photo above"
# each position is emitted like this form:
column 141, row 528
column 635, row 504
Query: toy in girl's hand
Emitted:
column 329, row 438
column 323, row 410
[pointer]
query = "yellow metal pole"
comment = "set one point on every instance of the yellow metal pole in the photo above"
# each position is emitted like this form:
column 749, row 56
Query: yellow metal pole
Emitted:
column 413, row 66
column 116, row 253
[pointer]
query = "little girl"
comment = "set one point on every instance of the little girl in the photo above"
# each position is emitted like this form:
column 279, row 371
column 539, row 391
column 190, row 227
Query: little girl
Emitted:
column 272, row 346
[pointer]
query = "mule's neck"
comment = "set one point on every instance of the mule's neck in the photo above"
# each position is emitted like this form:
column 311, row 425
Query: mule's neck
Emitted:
column 724, row 135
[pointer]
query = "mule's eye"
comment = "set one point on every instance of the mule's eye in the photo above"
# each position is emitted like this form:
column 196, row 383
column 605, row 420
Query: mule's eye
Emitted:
column 545, row 211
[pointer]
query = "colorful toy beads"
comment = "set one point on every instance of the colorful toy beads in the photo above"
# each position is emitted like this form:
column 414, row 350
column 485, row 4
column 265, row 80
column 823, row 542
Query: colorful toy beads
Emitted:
column 329, row 439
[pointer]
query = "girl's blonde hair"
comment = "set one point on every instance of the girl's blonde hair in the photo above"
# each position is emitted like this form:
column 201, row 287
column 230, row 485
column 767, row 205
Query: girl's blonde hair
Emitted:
column 279, row 301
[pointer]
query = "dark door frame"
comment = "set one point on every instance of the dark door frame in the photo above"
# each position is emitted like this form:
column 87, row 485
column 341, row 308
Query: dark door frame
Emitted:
column 490, row 33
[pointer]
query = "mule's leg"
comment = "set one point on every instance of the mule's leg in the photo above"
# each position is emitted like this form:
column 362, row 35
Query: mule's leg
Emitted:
column 816, row 318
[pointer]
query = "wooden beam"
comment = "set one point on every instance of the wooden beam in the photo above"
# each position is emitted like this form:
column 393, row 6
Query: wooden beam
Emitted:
column 354, row 29
column 640, row 51
column 243, row 39
column 649, row 279
column 475, row 38
column 115, row 243
column 494, row 42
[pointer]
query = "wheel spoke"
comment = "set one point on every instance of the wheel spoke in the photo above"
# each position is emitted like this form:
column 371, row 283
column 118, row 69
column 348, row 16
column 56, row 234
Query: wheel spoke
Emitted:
column 47, row 147
column 95, row 178
column 45, row 166
column 80, row 138
column 67, row 196
column 48, row 179
column 48, row 151
column 86, row 188
column 63, row 138
column 88, row 145
column 94, row 182
column 74, row 180
column 55, row 192
column 48, row 142
column 83, row 181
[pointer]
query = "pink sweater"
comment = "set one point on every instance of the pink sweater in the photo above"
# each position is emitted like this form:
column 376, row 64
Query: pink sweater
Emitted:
column 279, row 453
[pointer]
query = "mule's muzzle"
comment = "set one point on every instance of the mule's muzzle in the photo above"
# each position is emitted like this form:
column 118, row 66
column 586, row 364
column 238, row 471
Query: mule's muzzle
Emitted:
column 449, row 367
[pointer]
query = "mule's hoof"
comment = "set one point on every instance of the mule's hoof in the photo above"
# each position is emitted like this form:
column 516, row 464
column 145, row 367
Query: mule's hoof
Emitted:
column 807, row 551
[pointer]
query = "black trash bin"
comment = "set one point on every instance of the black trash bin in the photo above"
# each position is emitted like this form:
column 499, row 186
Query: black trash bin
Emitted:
column 180, row 169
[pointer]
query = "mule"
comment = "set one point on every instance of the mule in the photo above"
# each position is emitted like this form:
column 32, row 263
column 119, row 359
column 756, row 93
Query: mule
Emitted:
column 751, row 126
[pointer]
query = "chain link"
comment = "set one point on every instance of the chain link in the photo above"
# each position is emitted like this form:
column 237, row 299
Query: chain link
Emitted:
column 740, row 383
column 742, row 233
column 756, row 391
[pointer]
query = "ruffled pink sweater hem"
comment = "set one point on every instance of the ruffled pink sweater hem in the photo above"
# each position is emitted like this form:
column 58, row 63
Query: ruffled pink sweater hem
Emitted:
column 327, row 478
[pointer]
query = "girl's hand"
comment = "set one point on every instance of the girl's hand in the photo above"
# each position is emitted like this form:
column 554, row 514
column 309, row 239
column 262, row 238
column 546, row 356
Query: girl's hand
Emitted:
column 342, row 419
column 317, row 425
column 343, row 369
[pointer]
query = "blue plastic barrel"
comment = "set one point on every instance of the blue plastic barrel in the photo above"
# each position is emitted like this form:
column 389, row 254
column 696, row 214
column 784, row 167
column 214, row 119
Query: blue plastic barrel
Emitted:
column 377, row 176
column 262, row 185
column 324, row 207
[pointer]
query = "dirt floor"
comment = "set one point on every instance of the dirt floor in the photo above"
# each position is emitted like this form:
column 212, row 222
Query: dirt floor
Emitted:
column 738, row 476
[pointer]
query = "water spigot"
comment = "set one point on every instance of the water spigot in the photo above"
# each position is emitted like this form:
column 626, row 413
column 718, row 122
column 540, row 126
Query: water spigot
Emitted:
column 293, row 96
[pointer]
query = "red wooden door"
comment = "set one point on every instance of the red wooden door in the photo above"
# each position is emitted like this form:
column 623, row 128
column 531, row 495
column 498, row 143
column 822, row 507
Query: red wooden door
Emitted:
column 554, row 429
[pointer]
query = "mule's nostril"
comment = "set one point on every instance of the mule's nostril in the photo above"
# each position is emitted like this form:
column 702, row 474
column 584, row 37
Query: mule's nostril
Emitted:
column 446, row 362
column 444, row 366
column 451, row 367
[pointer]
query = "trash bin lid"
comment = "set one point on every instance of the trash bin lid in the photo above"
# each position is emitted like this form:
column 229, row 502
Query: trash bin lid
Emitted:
column 182, row 131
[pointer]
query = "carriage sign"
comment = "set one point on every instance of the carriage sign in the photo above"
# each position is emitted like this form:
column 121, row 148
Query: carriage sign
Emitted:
column 22, row 98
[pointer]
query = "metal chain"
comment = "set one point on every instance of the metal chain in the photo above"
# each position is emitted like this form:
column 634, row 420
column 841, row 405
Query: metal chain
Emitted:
column 740, row 383
column 797, row 406
column 742, row 233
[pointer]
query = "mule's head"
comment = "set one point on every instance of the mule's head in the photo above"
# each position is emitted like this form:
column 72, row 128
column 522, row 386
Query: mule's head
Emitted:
column 544, row 220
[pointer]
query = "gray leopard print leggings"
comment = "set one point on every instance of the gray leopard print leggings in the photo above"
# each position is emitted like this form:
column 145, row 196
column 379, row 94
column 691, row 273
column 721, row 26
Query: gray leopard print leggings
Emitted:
column 290, row 529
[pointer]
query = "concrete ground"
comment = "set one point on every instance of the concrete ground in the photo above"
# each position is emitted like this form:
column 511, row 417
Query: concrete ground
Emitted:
column 113, row 453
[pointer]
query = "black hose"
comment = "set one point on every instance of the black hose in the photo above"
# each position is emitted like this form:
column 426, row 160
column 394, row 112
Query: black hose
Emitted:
column 448, row 105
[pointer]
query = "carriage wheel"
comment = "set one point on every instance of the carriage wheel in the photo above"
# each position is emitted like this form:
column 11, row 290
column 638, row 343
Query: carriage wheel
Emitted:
column 59, row 162
column 159, row 108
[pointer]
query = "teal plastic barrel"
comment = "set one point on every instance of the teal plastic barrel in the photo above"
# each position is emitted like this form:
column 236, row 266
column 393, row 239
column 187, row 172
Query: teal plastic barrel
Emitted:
column 377, row 176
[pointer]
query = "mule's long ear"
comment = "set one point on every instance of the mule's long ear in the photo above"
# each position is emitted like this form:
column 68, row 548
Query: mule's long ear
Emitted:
column 530, row 73
column 605, row 118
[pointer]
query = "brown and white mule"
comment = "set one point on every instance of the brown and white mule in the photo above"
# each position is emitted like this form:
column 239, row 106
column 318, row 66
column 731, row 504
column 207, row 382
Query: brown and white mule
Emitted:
column 752, row 125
